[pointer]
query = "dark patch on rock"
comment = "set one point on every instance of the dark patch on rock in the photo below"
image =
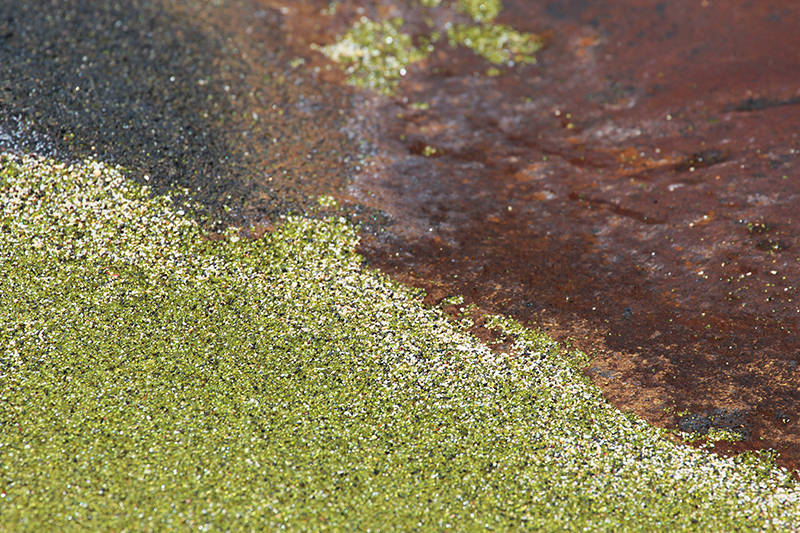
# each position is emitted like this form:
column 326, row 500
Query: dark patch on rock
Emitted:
column 702, row 159
column 722, row 419
column 759, row 104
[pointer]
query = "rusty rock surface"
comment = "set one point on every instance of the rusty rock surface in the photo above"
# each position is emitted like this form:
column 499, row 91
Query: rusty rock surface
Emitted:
column 636, row 192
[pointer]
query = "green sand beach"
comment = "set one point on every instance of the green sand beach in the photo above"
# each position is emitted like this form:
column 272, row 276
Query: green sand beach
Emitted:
column 156, row 380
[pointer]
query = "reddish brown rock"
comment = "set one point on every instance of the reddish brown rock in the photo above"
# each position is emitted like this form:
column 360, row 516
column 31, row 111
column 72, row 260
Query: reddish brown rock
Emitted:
column 635, row 193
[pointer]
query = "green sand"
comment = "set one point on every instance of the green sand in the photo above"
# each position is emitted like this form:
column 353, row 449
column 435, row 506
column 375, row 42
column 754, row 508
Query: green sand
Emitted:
column 155, row 380
column 375, row 54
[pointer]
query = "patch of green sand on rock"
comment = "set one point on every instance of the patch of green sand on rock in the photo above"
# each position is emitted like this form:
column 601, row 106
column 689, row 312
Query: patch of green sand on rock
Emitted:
column 154, row 380
column 480, row 10
column 375, row 54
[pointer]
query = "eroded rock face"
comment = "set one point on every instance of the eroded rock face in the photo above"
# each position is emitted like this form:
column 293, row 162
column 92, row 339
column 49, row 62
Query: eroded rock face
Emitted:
column 636, row 192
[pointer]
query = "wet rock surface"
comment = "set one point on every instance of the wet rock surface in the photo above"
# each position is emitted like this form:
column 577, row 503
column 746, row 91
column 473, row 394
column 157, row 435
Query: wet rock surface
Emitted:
column 634, row 192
